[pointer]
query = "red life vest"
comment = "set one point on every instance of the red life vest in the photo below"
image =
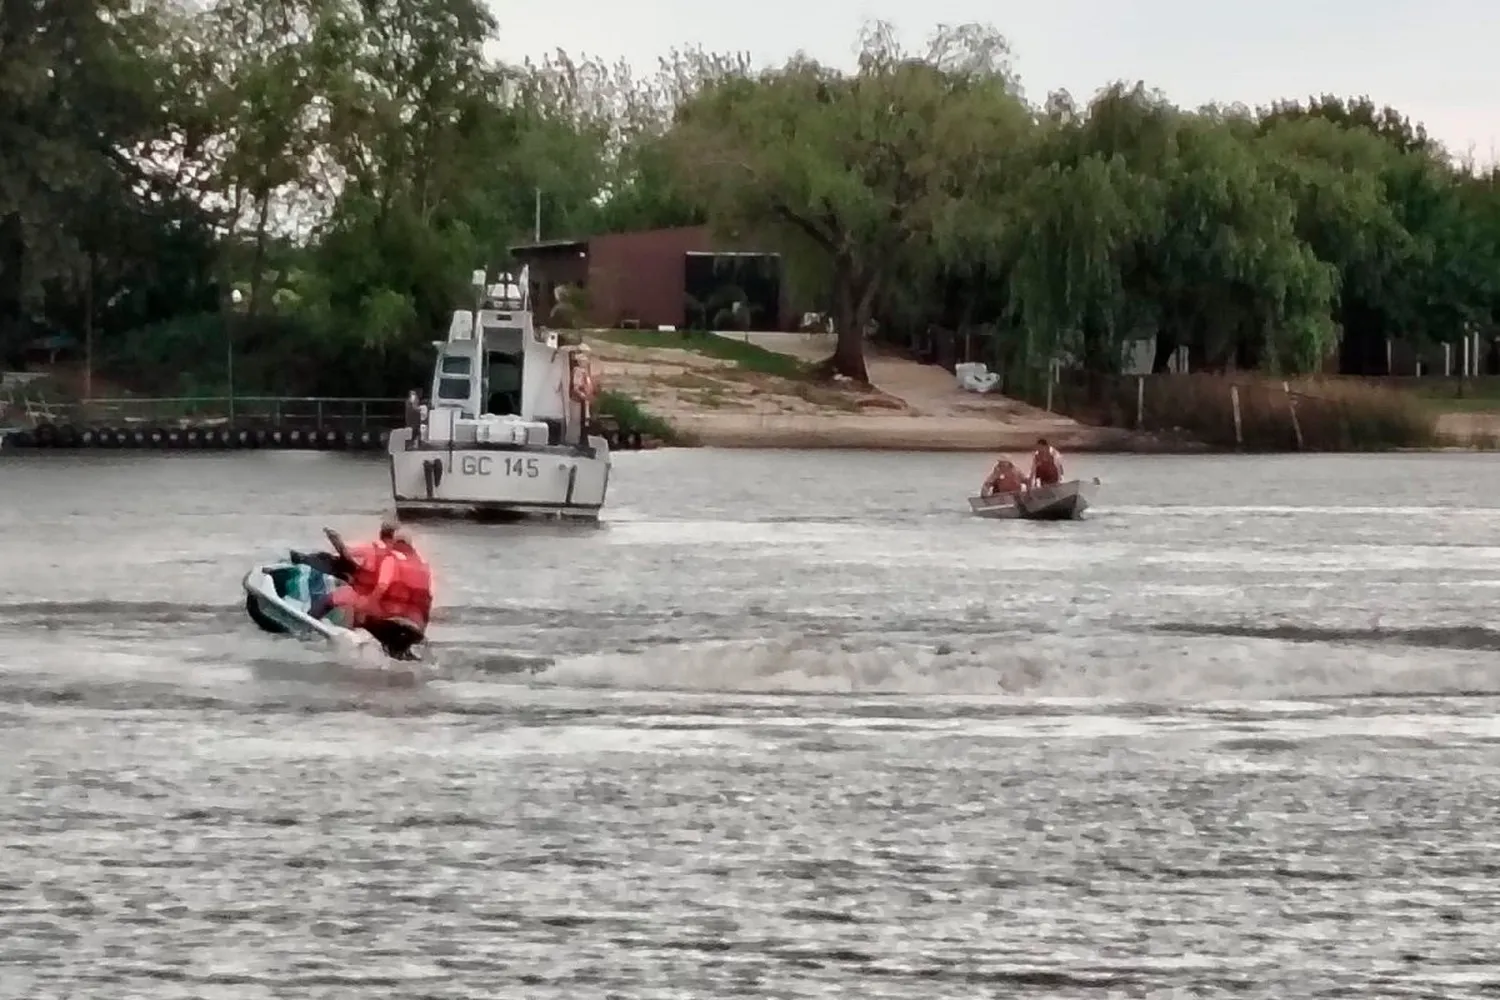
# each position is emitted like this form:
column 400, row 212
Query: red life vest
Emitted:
column 367, row 557
column 1045, row 465
column 409, row 596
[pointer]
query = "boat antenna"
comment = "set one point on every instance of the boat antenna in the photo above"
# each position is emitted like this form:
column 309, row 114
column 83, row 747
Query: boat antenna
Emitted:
column 478, row 279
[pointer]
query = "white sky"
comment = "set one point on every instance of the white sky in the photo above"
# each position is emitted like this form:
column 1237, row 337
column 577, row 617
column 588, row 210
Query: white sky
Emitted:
column 1437, row 61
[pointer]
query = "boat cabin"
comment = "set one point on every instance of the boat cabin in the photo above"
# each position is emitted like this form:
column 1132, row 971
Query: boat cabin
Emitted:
column 498, row 378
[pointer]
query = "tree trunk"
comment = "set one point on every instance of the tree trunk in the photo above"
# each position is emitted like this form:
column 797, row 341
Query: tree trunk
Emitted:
column 853, row 297
column 88, row 329
column 12, row 291
column 258, row 259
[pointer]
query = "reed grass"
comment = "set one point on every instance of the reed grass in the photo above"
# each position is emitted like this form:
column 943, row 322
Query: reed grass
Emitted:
column 1332, row 414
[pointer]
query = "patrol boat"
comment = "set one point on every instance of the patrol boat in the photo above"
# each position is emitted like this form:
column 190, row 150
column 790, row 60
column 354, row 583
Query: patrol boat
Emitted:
column 504, row 433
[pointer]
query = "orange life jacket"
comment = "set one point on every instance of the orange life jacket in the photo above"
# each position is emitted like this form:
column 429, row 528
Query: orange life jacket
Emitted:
column 367, row 557
column 409, row 596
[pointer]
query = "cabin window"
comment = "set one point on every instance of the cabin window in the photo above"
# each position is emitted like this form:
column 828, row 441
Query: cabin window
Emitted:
column 456, row 364
column 453, row 388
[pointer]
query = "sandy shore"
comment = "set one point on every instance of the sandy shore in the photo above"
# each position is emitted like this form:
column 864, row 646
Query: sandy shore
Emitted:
column 911, row 406
column 1471, row 430
column 905, row 433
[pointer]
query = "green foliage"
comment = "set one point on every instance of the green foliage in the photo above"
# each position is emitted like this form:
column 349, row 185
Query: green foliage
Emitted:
column 344, row 165
column 630, row 418
column 862, row 169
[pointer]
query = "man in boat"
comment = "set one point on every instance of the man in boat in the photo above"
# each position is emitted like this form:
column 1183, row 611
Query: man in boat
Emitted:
column 1003, row 478
column 1046, row 464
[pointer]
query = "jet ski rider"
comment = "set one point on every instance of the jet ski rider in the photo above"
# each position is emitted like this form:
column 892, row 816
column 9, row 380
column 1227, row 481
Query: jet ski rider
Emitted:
column 388, row 592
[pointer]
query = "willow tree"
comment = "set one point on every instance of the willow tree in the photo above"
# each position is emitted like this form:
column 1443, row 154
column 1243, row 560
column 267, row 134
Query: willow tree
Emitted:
column 1091, row 210
column 1141, row 218
column 1235, row 282
column 1083, row 225
column 863, row 168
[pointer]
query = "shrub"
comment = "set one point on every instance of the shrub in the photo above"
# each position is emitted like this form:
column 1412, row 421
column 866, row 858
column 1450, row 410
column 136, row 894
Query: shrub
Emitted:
column 627, row 413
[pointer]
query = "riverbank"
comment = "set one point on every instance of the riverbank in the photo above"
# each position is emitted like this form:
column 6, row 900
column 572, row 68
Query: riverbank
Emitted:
column 753, row 393
column 1472, row 429
column 757, row 390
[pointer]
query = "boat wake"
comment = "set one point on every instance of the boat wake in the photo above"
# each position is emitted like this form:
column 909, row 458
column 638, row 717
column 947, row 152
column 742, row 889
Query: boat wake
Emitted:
column 114, row 654
column 1425, row 637
column 1105, row 667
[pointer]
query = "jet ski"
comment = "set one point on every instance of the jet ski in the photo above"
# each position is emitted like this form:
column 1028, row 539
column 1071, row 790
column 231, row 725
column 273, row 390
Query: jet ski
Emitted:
column 279, row 597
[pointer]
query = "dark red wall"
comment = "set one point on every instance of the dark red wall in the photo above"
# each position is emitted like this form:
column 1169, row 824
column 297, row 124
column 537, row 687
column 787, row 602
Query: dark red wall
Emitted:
column 638, row 276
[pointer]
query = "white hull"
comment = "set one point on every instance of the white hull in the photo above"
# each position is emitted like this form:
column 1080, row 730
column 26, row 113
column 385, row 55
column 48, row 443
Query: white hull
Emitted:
column 469, row 480
column 355, row 655
column 1060, row 502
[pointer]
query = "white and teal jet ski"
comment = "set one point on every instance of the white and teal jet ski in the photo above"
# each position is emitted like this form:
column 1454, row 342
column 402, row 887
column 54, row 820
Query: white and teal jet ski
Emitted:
column 279, row 598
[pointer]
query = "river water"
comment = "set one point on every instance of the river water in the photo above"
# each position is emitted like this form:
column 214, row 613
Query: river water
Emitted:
column 789, row 725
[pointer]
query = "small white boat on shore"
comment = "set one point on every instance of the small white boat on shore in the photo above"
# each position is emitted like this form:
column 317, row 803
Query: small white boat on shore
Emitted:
column 1058, row 502
column 505, row 431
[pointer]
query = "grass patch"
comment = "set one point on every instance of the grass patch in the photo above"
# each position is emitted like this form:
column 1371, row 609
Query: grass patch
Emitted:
column 1459, row 404
column 831, row 398
column 747, row 356
column 712, row 399
column 1452, row 389
column 1333, row 414
column 690, row 380
column 712, row 391
column 632, row 418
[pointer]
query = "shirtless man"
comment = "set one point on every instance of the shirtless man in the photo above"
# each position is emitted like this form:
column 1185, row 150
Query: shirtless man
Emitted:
column 1003, row 478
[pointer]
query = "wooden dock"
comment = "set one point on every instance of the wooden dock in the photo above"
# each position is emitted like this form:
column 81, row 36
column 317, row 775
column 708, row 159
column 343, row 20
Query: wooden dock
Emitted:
column 317, row 423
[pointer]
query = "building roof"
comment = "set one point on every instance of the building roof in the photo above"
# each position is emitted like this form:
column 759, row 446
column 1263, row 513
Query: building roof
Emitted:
column 549, row 245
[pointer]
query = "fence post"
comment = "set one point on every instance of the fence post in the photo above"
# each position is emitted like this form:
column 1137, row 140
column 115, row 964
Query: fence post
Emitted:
column 1291, row 404
column 364, row 415
column 1234, row 401
column 1140, row 402
column 1049, row 384
column 318, row 415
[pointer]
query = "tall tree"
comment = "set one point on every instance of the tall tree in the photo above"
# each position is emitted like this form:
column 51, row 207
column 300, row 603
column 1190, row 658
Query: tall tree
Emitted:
column 862, row 167
column 78, row 90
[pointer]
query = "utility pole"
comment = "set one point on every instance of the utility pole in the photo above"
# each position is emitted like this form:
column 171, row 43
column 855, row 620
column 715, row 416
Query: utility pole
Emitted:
column 536, row 229
column 234, row 301
column 88, row 332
